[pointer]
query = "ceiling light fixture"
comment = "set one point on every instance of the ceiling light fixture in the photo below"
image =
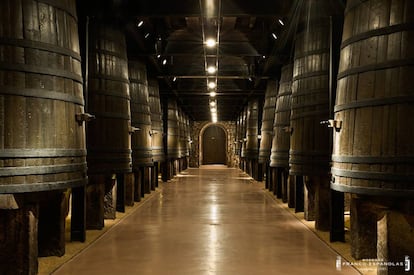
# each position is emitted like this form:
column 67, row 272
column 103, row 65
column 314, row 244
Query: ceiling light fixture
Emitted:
column 213, row 94
column 211, row 70
column 281, row 22
column 140, row 23
column 274, row 35
column 164, row 62
column 174, row 79
column 212, row 85
column 214, row 117
column 211, row 42
column 213, row 103
column 147, row 35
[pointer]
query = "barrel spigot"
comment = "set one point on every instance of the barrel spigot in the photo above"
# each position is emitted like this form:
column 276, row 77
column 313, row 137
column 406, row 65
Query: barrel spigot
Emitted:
column 84, row 117
column 133, row 129
column 288, row 129
column 332, row 123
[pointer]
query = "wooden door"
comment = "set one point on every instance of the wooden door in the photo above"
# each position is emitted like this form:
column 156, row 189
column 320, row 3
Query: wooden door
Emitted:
column 214, row 146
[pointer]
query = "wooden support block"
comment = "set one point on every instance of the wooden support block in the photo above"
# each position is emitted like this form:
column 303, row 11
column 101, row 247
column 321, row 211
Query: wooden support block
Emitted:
column 309, row 199
column 129, row 189
column 110, row 200
column 18, row 240
column 95, row 192
column 363, row 229
column 395, row 243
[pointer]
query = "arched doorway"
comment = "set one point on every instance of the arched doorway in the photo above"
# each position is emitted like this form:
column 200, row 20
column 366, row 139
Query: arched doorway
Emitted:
column 214, row 145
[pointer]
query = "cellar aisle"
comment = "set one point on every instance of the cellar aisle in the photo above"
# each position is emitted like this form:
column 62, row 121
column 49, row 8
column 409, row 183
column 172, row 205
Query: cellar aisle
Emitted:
column 212, row 220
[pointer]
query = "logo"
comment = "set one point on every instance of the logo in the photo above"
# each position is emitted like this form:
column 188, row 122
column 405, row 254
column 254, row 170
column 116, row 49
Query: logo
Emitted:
column 407, row 263
column 338, row 263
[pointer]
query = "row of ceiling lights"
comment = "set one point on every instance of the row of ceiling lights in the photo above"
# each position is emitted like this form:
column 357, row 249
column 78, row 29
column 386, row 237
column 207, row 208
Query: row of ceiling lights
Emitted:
column 212, row 84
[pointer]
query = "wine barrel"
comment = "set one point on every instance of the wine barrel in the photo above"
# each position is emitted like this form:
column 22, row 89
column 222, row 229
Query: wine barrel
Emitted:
column 236, row 137
column 267, row 121
column 281, row 127
column 181, row 134
column 172, row 130
column 108, row 139
column 309, row 144
column 42, row 144
column 140, row 115
column 252, row 130
column 243, row 133
column 187, row 136
column 374, row 147
column 157, row 146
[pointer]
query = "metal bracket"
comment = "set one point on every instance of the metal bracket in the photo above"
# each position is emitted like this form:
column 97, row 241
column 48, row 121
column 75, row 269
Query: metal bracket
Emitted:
column 332, row 123
column 84, row 117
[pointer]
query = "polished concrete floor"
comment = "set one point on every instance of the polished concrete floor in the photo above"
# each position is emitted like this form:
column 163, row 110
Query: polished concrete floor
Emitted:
column 212, row 220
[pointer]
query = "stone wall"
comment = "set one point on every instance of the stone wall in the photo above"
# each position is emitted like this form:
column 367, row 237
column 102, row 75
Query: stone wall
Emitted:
column 197, row 131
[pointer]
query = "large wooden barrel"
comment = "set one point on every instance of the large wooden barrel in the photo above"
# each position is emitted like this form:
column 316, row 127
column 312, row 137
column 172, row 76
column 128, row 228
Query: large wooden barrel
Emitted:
column 374, row 147
column 42, row 144
column 156, row 121
column 236, row 137
column 172, row 130
column 267, row 121
column 252, row 129
column 309, row 143
column 181, row 133
column 108, row 139
column 281, row 127
column 140, row 115
column 243, row 133
column 187, row 136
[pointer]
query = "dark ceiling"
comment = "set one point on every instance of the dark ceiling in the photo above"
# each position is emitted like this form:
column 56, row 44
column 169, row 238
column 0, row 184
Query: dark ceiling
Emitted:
column 175, row 32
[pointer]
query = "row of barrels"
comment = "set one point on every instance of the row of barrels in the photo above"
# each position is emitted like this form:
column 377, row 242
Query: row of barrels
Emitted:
column 368, row 152
column 43, row 137
column 178, row 131
column 371, row 149
column 361, row 145
column 54, row 133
